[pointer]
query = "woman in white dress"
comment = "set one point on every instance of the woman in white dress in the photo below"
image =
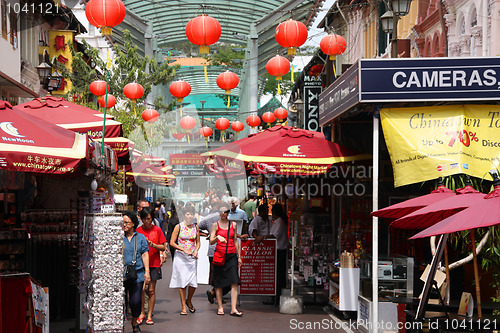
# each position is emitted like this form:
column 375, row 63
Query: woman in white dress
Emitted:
column 186, row 240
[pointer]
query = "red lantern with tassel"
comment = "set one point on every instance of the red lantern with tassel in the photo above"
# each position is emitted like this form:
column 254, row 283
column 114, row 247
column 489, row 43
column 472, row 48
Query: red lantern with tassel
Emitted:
column 222, row 124
column 133, row 91
column 180, row 89
column 206, row 132
column 316, row 70
column 178, row 135
column 333, row 45
column 203, row 30
column 291, row 34
column 227, row 81
column 253, row 121
column 188, row 123
column 281, row 114
column 150, row 115
column 268, row 118
column 105, row 14
column 278, row 66
column 98, row 88
column 111, row 101
column 237, row 126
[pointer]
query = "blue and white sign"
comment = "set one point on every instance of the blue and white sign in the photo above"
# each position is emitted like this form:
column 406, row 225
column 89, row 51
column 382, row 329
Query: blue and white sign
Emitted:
column 429, row 79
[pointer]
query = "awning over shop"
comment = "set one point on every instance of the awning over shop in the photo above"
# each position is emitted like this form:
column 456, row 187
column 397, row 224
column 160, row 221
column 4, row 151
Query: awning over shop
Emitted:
column 122, row 147
column 146, row 169
column 15, row 88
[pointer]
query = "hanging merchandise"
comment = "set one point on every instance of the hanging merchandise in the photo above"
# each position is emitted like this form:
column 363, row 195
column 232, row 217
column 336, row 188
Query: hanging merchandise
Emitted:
column 98, row 88
column 133, row 91
column 206, row 132
column 180, row 89
column 333, row 45
column 278, row 66
column 111, row 101
column 105, row 14
column 237, row 126
column 222, row 124
column 281, row 114
column 203, row 30
column 150, row 115
column 253, row 121
column 268, row 118
column 291, row 34
column 188, row 123
column 227, row 81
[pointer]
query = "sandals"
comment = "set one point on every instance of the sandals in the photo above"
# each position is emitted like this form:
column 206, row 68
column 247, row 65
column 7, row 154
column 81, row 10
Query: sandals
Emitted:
column 183, row 313
column 150, row 322
column 140, row 320
column 220, row 312
column 191, row 308
column 236, row 314
column 136, row 329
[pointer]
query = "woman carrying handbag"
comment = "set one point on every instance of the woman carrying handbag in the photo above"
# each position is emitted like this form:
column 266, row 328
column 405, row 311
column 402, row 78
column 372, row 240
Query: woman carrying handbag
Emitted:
column 226, row 260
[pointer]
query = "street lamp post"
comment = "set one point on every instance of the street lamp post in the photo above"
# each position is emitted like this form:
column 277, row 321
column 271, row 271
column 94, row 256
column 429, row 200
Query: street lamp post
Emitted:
column 389, row 21
column 299, row 106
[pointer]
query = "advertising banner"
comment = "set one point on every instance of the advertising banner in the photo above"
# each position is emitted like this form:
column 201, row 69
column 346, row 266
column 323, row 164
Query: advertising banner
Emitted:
column 258, row 270
column 312, row 89
column 185, row 159
column 429, row 142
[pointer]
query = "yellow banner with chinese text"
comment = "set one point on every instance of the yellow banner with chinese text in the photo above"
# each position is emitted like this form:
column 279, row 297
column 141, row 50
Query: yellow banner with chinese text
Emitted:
column 429, row 142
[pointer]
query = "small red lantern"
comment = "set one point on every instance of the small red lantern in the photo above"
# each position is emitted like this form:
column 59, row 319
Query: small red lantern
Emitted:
column 150, row 115
column 133, row 90
column 203, row 30
column 180, row 89
column 280, row 114
column 237, row 126
column 253, row 121
column 98, row 88
column 316, row 70
column 111, row 101
column 268, row 118
column 222, row 124
column 227, row 81
column 188, row 123
column 105, row 14
column 333, row 45
column 278, row 66
column 291, row 34
column 206, row 132
column 178, row 135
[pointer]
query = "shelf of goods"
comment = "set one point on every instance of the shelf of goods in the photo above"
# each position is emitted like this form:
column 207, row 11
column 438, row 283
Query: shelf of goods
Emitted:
column 344, row 288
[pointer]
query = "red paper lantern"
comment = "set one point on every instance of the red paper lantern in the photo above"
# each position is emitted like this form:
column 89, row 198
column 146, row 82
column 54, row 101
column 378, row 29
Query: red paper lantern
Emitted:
column 291, row 34
column 268, row 117
column 280, row 114
column 188, row 123
column 150, row 115
column 206, row 131
column 111, row 101
column 253, row 121
column 278, row 66
column 98, row 88
column 178, row 136
column 333, row 45
column 237, row 126
column 227, row 81
column 133, row 90
column 203, row 30
column 316, row 70
column 105, row 14
column 222, row 124
column 180, row 89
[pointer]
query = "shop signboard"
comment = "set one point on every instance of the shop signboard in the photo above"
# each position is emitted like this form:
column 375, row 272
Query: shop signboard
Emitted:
column 187, row 172
column 425, row 143
column 185, row 159
column 258, row 269
column 429, row 79
column 312, row 90
column 342, row 95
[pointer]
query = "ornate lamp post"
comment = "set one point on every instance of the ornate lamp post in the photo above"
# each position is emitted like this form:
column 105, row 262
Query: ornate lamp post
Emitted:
column 397, row 9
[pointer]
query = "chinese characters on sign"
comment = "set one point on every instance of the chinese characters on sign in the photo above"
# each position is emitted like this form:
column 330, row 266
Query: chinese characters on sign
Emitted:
column 185, row 159
column 258, row 270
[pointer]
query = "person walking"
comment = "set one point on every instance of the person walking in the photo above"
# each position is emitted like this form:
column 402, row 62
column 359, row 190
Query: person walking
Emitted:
column 186, row 240
column 173, row 220
column 223, row 234
column 250, row 207
column 134, row 242
column 157, row 243
column 260, row 224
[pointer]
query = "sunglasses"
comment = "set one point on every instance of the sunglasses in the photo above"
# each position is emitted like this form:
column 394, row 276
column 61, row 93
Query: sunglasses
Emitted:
column 224, row 211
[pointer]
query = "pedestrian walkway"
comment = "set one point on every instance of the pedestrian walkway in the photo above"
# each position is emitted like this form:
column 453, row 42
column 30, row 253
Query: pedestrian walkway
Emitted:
column 257, row 317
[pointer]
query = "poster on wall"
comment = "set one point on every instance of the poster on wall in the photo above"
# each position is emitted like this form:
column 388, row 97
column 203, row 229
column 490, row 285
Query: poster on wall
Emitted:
column 258, row 269
column 40, row 299
column 429, row 142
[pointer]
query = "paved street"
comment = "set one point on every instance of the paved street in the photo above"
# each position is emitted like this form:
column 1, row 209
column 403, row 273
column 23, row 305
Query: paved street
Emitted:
column 257, row 316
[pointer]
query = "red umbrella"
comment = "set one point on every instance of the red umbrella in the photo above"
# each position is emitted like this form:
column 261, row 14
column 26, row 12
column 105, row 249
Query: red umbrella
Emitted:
column 286, row 150
column 433, row 213
column 71, row 116
column 29, row 144
column 147, row 169
column 409, row 206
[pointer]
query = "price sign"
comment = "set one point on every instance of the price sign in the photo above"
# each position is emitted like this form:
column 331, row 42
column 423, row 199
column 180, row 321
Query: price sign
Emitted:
column 258, row 269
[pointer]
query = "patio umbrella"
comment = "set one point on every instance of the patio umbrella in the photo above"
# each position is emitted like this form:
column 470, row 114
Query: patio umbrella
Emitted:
column 483, row 213
column 285, row 150
column 122, row 147
column 71, row 116
column 148, row 169
column 404, row 208
column 28, row 144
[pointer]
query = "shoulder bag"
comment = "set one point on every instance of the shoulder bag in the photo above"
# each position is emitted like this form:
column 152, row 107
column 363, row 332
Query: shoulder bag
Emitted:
column 130, row 272
column 220, row 257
